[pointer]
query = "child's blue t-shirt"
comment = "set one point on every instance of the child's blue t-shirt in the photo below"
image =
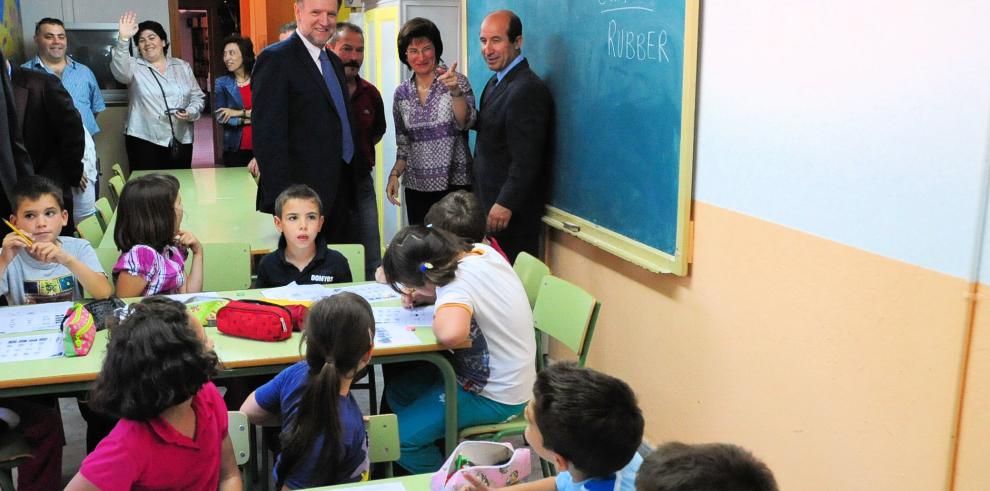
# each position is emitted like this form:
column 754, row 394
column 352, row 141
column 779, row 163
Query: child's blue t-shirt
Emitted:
column 624, row 480
column 28, row 281
column 282, row 396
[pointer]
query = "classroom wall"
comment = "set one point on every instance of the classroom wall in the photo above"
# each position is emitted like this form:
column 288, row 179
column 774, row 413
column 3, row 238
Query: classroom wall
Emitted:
column 840, row 151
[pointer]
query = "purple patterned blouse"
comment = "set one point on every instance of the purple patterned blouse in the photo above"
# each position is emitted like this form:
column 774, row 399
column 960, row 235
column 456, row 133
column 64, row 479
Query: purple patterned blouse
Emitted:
column 428, row 138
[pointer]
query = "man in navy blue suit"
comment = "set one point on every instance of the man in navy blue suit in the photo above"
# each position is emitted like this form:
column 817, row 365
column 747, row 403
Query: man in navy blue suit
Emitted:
column 303, row 126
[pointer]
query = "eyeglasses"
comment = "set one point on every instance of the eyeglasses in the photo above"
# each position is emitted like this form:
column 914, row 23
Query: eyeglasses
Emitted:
column 427, row 50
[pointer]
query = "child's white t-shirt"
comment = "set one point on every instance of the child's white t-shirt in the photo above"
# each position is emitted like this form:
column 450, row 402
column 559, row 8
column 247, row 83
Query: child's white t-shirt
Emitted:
column 501, row 363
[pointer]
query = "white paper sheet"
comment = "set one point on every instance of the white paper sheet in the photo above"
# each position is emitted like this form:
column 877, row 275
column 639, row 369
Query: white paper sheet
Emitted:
column 388, row 335
column 371, row 292
column 419, row 316
column 292, row 291
column 33, row 347
column 37, row 317
column 183, row 297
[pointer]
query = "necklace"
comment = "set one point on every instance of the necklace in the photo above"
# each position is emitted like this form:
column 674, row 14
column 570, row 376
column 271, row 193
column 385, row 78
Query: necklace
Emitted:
column 242, row 83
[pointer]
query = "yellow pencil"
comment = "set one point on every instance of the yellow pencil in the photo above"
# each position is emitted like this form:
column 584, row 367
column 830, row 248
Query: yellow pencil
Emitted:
column 18, row 232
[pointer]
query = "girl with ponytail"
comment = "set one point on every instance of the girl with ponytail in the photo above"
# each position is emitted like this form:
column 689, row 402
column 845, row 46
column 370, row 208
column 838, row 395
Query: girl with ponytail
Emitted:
column 478, row 299
column 323, row 438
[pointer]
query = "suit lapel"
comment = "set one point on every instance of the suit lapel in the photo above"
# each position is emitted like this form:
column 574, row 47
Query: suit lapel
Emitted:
column 20, row 100
column 309, row 67
column 492, row 90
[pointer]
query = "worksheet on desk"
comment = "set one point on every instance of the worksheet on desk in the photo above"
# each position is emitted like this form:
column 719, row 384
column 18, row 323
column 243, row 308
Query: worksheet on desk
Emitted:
column 37, row 317
column 419, row 316
column 372, row 292
column 31, row 347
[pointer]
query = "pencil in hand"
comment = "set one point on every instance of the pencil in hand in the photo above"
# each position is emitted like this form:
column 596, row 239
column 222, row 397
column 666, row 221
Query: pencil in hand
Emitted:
column 18, row 232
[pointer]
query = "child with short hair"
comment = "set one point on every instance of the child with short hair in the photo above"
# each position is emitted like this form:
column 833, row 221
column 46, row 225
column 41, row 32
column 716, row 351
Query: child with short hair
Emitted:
column 461, row 214
column 173, row 428
column 302, row 255
column 586, row 423
column 677, row 466
column 154, row 247
column 51, row 268
column 478, row 298
column 323, row 437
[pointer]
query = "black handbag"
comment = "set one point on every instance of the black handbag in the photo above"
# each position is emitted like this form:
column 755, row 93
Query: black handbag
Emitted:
column 174, row 147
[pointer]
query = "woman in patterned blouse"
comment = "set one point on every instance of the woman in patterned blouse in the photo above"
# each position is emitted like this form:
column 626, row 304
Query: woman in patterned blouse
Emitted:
column 433, row 111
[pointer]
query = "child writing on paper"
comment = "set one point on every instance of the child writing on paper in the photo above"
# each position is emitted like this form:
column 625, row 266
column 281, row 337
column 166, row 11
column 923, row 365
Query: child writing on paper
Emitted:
column 302, row 255
column 678, row 466
column 154, row 247
column 479, row 299
column 323, row 437
column 173, row 428
column 586, row 423
column 459, row 213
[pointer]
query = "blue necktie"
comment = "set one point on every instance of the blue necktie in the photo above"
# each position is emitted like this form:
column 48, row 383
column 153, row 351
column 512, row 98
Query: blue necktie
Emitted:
column 330, row 77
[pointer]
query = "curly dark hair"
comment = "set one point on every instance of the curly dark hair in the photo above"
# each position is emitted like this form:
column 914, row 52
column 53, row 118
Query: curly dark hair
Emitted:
column 154, row 361
column 677, row 466
column 247, row 50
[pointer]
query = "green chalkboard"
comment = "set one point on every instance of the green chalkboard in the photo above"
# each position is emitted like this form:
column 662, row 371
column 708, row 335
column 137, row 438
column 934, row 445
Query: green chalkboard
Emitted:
column 622, row 74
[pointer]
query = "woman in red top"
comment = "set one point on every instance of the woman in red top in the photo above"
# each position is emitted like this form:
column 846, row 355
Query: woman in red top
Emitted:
column 232, row 96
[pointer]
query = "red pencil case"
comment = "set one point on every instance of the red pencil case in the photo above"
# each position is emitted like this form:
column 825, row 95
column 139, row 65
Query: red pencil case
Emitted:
column 263, row 321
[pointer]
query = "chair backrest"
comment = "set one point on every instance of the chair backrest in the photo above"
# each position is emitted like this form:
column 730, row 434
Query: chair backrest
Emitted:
column 566, row 313
column 355, row 258
column 226, row 266
column 383, row 438
column 118, row 171
column 89, row 228
column 239, row 430
column 104, row 211
column 108, row 258
column 116, row 187
column 531, row 272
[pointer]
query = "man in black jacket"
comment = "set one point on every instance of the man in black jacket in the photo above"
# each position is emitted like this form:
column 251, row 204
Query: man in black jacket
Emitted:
column 515, row 127
column 15, row 162
column 51, row 128
column 303, row 127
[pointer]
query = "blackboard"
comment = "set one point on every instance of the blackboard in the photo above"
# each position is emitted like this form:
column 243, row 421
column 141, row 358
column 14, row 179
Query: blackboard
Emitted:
column 622, row 74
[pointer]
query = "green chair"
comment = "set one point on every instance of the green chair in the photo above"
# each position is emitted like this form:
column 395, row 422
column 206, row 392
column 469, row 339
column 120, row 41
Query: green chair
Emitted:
column 104, row 211
column 118, row 171
column 355, row 258
column 531, row 272
column 564, row 312
column 239, row 430
column 383, row 440
column 90, row 229
column 14, row 451
column 226, row 266
column 116, row 187
column 108, row 258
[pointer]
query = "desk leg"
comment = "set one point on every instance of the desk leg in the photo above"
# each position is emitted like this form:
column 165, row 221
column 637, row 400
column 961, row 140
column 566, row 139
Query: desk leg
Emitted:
column 449, row 388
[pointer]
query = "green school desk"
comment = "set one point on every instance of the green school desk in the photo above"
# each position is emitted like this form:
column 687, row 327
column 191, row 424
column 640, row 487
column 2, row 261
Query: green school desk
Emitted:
column 239, row 356
column 219, row 207
column 418, row 482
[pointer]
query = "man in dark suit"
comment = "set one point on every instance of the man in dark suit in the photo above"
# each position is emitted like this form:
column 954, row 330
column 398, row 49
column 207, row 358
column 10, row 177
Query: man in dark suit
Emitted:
column 15, row 162
column 51, row 128
column 302, row 121
column 515, row 127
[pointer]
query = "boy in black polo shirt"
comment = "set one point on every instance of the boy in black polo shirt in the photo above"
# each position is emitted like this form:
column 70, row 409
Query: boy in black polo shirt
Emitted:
column 302, row 255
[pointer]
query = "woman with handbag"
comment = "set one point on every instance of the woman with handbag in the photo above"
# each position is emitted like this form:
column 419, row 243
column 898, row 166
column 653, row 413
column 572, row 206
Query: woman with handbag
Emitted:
column 164, row 98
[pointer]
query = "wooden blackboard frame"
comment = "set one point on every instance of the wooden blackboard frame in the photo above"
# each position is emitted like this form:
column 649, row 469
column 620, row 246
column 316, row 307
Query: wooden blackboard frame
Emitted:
column 626, row 247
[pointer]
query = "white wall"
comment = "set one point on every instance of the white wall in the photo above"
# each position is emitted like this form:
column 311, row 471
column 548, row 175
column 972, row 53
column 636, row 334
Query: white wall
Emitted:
column 87, row 11
column 865, row 122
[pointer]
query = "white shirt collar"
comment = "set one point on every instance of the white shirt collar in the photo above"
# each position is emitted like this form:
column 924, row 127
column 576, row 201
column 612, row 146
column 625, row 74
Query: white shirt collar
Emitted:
column 314, row 52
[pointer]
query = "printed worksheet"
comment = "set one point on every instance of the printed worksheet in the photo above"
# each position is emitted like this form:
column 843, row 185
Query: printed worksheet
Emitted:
column 419, row 316
column 388, row 335
column 37, row 317
column 32, row 347
column 371, row 292
column 198, row 296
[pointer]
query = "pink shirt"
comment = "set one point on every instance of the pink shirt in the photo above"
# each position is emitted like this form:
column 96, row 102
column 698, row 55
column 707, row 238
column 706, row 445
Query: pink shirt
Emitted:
column 164, row 271
column 154, row 455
